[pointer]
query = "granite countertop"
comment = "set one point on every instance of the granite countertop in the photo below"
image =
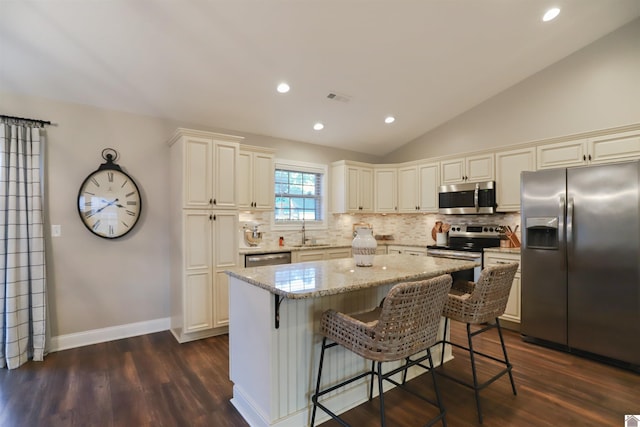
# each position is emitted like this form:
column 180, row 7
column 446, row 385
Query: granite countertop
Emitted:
column 322, row 278
column 504, row 250
column 265, row 249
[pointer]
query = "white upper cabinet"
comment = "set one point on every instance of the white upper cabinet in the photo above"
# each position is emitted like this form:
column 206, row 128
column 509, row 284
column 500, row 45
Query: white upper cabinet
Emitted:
column 562, row 154
column 386, row 186
column 255, row 178
column 205, row 164
column 611, row 148
column 509, row 165
column 418, row 187
column 614, row 148
column 467, row 169
column 352, row 187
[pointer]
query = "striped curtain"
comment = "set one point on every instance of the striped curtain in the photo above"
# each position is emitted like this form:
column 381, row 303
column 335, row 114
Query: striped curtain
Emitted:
column 22, row 260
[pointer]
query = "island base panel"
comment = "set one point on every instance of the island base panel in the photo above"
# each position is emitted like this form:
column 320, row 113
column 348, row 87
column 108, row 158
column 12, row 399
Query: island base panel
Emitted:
column 274, row 370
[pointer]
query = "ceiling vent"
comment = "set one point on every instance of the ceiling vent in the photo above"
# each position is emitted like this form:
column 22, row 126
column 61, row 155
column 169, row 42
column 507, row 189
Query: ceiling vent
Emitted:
column 339, row 97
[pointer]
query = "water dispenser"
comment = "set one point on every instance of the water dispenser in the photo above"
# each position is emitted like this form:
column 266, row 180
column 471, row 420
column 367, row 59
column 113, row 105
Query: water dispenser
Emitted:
column 542, row 232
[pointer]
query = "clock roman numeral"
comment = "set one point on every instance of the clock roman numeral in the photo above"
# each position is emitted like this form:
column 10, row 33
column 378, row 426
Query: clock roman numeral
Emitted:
column 125, row 224
column 95, row 182
column 132, row 203
column 124, row 183
column 111, row 230
column 96, row 225
column 130, row 194
column 130, row 213
column 110, row 176
column 89, row 214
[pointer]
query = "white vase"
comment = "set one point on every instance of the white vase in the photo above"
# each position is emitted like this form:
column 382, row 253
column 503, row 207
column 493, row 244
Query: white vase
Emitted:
column 364, row 247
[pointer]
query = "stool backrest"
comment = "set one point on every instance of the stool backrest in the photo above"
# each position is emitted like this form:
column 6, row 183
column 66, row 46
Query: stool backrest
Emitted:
column 490, row 294
column 410, row 317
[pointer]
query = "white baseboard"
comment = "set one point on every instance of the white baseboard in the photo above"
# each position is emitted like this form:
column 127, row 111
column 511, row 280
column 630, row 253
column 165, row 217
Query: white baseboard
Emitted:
column 95, row 336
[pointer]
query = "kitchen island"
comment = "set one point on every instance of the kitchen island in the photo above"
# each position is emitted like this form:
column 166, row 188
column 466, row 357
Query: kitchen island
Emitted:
column 274, row 344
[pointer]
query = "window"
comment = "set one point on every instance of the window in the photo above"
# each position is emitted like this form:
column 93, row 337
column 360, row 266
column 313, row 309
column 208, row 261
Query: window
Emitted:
column 299, row 193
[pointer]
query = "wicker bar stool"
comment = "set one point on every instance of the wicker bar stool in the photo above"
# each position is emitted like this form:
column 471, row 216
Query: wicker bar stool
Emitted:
column 405, row 324
column 476, row 304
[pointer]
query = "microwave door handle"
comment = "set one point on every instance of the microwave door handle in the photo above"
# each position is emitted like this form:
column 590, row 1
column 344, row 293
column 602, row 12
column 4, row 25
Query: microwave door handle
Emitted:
column 475, row 197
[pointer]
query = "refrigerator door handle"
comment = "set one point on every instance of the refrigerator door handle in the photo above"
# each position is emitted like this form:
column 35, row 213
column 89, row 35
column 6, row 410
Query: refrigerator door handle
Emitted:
column 570, row 221
column 561, row 217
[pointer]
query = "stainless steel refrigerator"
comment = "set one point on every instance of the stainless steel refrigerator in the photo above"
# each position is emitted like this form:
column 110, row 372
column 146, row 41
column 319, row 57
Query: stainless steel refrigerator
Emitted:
column 581, row 259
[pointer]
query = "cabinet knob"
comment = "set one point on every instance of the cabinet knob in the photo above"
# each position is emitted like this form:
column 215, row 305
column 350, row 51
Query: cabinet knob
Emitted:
column 584, row 157
column 210, row 201
column 589, row 157
column 210, row 217
column 214, row 202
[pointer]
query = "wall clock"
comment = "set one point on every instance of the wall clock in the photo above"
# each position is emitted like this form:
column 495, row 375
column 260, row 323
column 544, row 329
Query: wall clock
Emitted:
column 109, row 201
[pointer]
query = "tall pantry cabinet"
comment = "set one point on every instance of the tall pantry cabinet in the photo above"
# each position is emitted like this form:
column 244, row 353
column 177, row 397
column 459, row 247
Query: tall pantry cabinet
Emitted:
column 204, row 224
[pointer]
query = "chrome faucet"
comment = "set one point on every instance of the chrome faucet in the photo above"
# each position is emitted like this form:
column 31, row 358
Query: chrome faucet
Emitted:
column 304, row 237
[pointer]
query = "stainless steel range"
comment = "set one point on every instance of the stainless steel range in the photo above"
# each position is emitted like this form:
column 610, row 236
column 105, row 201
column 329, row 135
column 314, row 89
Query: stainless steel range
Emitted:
column 467, row 242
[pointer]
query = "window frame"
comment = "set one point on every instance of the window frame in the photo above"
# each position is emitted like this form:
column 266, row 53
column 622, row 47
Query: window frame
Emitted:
column 306, row 167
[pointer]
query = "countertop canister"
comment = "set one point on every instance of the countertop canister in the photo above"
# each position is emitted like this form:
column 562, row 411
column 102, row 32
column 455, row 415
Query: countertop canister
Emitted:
column 364, row 247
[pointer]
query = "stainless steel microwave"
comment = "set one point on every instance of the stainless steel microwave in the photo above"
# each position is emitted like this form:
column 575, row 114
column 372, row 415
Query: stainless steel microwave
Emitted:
column 467, row 198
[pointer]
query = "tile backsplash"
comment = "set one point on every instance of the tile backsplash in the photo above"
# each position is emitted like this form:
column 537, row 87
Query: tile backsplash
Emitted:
column 405, row 228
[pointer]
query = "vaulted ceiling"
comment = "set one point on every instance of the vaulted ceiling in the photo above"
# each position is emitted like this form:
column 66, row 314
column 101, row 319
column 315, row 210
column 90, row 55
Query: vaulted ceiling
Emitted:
column 218, row 62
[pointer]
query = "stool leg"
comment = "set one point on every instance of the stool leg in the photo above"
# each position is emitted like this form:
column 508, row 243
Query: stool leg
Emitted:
column 315, row 396
column 506, row 358
column 437, row 390
column 381, row 395
column 444, row 340
column 373, row 374
column 475, row 375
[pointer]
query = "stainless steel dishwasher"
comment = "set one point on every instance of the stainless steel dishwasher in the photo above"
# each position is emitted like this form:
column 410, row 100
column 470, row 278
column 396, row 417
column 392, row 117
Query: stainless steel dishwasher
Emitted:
column 271, row 258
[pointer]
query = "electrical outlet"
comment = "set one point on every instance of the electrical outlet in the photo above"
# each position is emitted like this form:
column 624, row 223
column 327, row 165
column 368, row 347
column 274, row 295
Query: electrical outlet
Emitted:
column 56, row 230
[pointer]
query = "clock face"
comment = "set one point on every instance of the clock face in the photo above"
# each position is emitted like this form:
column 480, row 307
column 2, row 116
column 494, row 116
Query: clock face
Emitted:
column 109, row 203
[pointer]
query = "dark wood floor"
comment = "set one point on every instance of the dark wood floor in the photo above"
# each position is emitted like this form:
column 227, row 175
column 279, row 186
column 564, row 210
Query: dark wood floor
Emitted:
column 154, row 381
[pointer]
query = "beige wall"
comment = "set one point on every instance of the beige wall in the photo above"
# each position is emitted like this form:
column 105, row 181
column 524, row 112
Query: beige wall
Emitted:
column 96, row 283
column 596, row 88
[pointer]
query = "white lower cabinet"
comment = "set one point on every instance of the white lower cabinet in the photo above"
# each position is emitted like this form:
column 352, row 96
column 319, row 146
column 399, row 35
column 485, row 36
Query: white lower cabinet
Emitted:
column 512, row 312
column 199, row 287
column 407, row 250
column 320, row 254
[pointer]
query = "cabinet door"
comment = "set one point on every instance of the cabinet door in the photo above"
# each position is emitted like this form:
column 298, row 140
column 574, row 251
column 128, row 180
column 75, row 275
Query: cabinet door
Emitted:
column 408, row 189
column 353, row 189
column 366, row 189
column 509, row 165
column 479, row 168
column 226, row 256
column 198, row 178
column 452, row 171
column 226, row 167
column 338, row 253
column 263, row 181
column 428, row 182
column 245, row 180
column 198, row 286
column 562, row 154
column 614, row 148
column 303, row 256
column 385, row 190
column 512, row 310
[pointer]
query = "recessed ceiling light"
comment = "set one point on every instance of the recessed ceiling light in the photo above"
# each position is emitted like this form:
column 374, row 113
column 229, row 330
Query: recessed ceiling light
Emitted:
column 551, row 14
column 318, row 126
column 389, row 119
column 283, row 88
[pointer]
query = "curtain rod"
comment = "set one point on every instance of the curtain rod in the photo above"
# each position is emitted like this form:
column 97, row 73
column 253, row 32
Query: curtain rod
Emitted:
column 41, row 122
